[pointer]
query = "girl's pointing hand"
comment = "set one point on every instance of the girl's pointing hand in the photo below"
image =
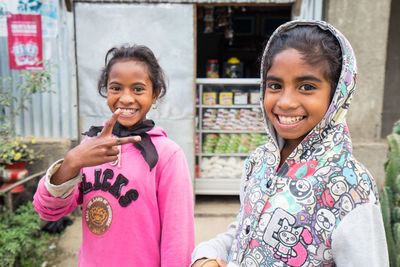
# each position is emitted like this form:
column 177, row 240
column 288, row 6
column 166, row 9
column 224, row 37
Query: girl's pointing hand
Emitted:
column 94, row 151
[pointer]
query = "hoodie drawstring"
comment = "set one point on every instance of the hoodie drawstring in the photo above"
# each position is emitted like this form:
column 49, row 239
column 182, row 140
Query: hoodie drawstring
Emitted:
column 118, row 161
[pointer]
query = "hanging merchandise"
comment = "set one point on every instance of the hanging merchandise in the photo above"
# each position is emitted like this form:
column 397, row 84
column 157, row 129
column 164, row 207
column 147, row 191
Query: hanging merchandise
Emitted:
column 24, row 41
column 229, row 34
column 229, row 27
column 222, row 17
column 233, row 68
column 209, row 19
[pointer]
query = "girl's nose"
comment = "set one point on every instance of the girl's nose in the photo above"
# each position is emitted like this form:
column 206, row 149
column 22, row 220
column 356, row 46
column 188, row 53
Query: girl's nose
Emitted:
column 288, row 99
column 127, row 97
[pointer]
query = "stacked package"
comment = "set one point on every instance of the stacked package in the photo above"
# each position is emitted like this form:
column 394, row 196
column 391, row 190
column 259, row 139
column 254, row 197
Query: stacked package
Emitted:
column 232, row 143
column 233, row 119
column 216, row 167
column 209, row 143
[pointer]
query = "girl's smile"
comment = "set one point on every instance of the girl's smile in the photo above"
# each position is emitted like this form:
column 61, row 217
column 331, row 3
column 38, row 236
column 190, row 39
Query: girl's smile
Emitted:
column 130, row 89
column 297, row 96
column 287, row 120
column 126, row 113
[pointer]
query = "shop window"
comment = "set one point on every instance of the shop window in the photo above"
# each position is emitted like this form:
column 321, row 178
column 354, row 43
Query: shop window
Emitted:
column 241, row 32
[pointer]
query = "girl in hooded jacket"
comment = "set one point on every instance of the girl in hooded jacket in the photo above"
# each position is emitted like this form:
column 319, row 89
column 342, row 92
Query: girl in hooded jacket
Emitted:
column 305, row 200
column 133, row 184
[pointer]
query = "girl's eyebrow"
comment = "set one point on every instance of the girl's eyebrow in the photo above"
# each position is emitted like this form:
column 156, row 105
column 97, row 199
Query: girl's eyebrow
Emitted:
column 133, row 84
column 114, row 82
column 298, row 79
column 273, row 78
column 307, row 78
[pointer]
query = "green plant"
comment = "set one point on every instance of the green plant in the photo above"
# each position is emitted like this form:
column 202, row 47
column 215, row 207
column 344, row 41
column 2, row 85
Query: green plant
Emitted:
column 15, row 95
column 390, row 197
column 21, row 241
column 15, row 150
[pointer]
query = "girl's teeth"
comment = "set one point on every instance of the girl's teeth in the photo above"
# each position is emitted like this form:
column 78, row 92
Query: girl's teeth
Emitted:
column 290, row 120
column 127, row 111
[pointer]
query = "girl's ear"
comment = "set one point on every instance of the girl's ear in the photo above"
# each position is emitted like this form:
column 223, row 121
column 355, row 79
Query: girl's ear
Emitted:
column 156, row 93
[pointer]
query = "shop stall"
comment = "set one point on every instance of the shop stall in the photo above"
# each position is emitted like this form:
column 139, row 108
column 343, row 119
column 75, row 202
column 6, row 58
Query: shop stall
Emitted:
column 229, row 121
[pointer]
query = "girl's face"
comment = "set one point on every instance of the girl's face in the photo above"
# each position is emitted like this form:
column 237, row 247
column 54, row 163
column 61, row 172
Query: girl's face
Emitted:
column 129, row 88
column 297, row 95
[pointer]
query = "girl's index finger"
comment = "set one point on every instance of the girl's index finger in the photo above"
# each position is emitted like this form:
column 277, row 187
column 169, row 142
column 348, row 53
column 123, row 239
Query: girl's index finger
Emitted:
column 127, row 140
column 107, row 130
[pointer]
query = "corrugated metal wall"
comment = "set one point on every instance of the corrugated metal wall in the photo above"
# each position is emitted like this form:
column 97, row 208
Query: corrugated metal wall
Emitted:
column 50, row 115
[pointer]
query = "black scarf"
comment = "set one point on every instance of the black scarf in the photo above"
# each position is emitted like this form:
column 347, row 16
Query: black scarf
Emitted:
column 145, row 146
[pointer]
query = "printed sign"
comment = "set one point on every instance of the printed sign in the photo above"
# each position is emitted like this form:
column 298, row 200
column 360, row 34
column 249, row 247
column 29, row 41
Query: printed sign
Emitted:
column 24, row 41
column 49, row 10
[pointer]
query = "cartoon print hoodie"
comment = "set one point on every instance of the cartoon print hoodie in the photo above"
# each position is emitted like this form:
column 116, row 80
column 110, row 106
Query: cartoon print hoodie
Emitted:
column 131, row 216
column 320, row 208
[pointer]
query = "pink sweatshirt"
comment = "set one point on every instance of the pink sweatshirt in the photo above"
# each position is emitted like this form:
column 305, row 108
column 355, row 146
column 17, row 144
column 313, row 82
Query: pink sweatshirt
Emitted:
column 131, row 216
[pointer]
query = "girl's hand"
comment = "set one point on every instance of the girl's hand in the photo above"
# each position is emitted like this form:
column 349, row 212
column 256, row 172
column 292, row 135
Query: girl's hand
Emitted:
column 221, row 262
column 197, row 263
column 218, row 262
column 95, row 151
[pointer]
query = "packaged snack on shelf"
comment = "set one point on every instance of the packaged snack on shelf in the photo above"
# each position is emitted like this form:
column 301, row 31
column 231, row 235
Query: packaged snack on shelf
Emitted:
column 209, row 98
column 244, row 146
column 234, row 142
column 222, row 143
column 225, row 98
column 209, row 112
column 256, row 140
column 209, row 143
column 221, row 119
column 255, row 97
column 209, row 118
column 221, row 167
column 240, row 98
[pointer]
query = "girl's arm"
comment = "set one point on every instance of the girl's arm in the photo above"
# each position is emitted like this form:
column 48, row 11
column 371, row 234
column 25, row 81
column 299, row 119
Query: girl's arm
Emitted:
column 57, row 194
column 360, row 238
column 222, row 243
column 175, row 200
column 54, row 201
column 218, row 246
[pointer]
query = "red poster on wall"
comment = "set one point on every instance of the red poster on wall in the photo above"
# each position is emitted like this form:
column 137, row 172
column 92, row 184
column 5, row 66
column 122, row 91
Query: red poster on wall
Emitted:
column 24, row 41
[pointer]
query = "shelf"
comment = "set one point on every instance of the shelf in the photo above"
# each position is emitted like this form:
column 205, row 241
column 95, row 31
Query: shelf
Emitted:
column 232, row 131
column 222, row 154
column 214, row 186
column 222, row 186
column 229, row 106
column 227, row 81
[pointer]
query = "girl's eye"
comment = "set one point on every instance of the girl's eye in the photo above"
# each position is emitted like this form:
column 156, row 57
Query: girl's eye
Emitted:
column 274, row 86
column 114, row 88
column 307, row 87
column 138, row 89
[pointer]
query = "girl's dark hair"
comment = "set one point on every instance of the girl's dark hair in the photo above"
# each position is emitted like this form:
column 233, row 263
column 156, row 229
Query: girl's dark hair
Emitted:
column 317, row 46
column 137, row 53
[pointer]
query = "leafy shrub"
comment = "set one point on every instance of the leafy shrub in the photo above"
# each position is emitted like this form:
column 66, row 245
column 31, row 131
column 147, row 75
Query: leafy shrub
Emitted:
column 21, row 241
column 16, row 95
